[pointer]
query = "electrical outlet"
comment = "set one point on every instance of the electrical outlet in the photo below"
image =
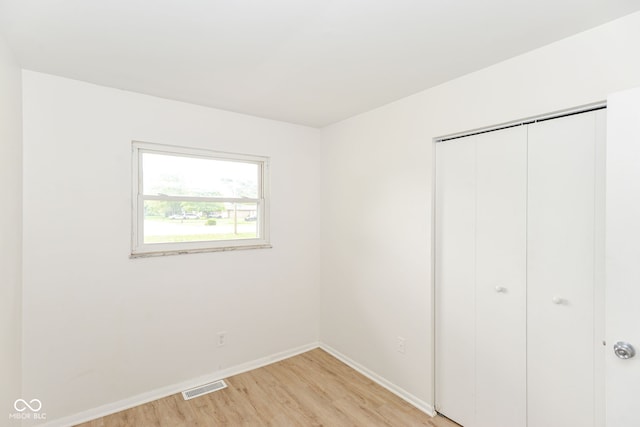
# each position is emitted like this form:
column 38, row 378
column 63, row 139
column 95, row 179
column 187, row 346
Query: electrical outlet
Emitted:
column 222, row 338
column 401, row 345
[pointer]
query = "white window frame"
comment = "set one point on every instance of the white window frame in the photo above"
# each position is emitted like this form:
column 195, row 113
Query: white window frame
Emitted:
column 141, row 249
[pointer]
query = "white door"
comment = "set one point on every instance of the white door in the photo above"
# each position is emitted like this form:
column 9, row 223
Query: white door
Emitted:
column 500, row 265
column 481, row 279
column 455, row 279
column 562, row 270
column 623, row 258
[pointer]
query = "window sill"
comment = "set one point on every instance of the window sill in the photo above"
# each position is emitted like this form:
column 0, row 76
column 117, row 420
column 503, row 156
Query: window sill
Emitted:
column 198, row 250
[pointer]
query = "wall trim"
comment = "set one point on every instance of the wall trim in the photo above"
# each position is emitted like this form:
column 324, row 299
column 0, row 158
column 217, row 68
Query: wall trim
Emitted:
column 159, row 393
column 425, row 407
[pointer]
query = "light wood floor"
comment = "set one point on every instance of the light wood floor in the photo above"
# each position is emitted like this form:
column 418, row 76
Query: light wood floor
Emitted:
column 311, row 389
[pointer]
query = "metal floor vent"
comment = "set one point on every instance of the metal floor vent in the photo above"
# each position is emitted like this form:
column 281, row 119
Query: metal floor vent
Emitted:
column 204, row 389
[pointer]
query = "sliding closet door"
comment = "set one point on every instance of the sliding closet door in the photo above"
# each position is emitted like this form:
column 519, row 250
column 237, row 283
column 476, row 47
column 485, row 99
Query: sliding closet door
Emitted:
column 501, row 256
column 561, row 270
column 455, row 279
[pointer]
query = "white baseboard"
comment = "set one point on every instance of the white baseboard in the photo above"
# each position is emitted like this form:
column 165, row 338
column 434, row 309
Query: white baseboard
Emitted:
column 140, row 399
column 159, row 393
column 425, row 407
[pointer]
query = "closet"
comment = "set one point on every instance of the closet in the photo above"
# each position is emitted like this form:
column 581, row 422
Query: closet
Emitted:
column 518, row 266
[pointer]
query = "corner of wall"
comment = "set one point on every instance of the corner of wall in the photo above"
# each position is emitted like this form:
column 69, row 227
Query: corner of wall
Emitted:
column 11, row 229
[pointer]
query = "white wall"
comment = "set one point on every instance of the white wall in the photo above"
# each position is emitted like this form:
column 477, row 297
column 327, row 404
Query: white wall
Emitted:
column 100, row 327
column 377, row 191
column 10, row 229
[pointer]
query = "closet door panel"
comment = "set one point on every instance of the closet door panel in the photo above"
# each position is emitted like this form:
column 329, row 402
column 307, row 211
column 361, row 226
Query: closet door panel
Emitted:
column 560, row 290
column 455, row 279
column 501, row 224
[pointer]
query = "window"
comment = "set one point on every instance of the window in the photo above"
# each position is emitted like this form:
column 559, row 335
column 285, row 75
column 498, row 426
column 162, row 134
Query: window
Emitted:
column 191, row 200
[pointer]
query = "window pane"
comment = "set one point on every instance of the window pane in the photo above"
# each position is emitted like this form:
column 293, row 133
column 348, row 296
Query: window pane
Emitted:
column 168, row 222
column 191, row 176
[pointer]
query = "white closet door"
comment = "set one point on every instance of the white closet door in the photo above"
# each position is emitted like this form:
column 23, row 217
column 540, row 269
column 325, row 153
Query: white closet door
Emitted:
column 501, row 256
column 561, row 269
column 455, row 279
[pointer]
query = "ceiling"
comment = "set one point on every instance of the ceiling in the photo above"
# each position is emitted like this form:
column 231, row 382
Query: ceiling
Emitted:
column 312, row 62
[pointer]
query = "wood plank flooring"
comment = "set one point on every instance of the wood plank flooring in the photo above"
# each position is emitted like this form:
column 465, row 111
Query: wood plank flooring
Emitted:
column 311, row 389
